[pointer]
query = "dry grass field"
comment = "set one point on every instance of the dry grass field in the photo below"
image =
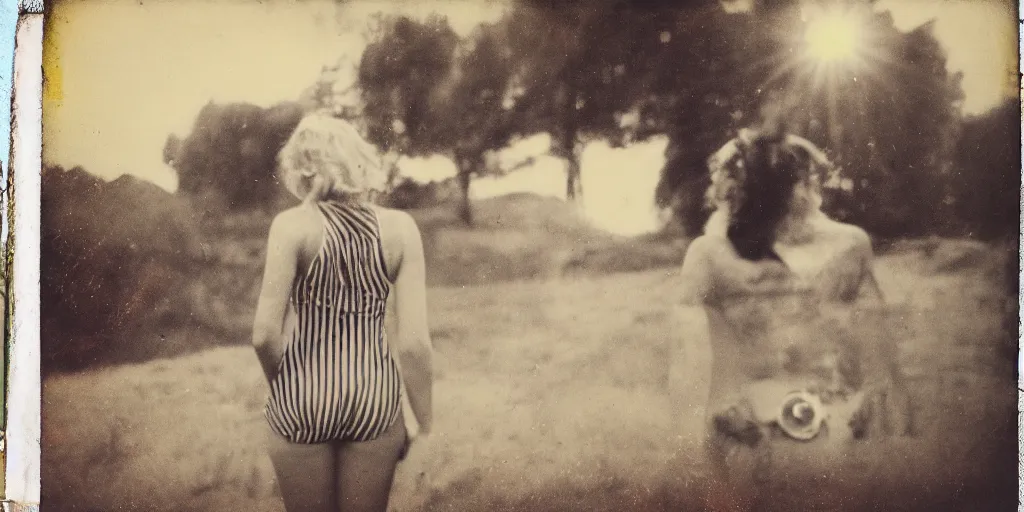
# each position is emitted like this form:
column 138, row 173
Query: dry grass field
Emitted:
column 550, row 396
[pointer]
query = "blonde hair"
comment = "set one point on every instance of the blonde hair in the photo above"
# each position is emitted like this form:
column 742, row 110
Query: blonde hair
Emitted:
column 326, row 157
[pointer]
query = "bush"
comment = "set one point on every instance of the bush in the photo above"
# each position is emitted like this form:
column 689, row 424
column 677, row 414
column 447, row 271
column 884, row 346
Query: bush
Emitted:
column 986, row 183
column 230, row 157
column 112, row 257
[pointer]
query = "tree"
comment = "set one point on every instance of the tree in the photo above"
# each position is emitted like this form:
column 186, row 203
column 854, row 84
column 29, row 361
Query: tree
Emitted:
column 541, row 68
column 894, row 132
column 425, row 91
column 985, row 187
column 400, row 74
column 859, row 114
column 476, row 117
column 570, row 75
column 699, row 73
column 898, row 130
column 230, row 157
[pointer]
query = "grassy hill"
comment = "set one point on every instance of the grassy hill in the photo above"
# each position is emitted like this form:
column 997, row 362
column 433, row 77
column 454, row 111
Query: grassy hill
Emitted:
column 550, row 396
column 529, row 237
column 129, row 267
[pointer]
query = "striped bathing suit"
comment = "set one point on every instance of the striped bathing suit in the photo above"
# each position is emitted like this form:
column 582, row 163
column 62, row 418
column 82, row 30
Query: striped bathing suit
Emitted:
column 338, row 379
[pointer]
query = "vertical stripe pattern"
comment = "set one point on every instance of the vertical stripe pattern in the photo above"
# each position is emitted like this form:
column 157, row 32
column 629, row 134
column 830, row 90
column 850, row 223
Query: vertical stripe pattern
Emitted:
column 337, row 379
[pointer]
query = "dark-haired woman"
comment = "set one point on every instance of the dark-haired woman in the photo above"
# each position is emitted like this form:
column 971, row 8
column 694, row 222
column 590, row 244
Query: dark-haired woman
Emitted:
column 783, row 351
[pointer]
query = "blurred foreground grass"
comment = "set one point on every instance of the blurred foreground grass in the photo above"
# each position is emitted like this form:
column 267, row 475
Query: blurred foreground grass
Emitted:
column 550, row 397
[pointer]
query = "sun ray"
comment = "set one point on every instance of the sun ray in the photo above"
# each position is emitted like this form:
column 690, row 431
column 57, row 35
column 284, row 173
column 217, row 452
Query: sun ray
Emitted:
column 830, row 69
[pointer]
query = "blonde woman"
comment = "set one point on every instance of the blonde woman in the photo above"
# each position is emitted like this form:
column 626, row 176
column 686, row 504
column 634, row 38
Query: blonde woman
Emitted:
column 782, row 345
column 335, row 413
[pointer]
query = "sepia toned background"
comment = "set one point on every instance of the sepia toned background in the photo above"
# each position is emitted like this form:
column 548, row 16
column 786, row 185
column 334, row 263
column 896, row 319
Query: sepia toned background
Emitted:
column 553, row 158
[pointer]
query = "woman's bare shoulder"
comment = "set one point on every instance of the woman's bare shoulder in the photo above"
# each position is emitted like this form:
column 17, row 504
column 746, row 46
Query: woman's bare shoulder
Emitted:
column 296, row 221
column 708, row 246
column 298, row 229
column 396, row 221
column 399, row 236
column 717, row 251
column 847, row 234
column 399, row 232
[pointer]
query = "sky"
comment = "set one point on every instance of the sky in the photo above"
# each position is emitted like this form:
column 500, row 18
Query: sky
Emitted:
column 124, row 74
column 8, row 27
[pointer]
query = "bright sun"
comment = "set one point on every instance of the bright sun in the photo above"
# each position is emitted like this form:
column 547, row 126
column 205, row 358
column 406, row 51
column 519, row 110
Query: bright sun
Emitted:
column 833, row 37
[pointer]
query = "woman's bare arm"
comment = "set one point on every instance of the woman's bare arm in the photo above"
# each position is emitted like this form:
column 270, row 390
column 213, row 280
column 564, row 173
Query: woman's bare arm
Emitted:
column 691, row 358
column 895, row 413
column 415, row 350
column 689, row 373
column 283, row 245
column 869, row 291
column 869, row 286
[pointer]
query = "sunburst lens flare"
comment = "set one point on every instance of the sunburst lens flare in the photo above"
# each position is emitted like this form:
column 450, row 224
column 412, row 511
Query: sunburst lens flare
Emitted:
column 833, row 38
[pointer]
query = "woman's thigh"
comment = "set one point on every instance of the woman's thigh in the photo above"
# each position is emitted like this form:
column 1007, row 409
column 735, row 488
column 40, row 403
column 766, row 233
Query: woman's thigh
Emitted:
column 305, row 473
column 366, row 469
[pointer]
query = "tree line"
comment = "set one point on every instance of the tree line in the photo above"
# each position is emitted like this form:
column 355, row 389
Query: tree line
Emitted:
column 623, row 72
